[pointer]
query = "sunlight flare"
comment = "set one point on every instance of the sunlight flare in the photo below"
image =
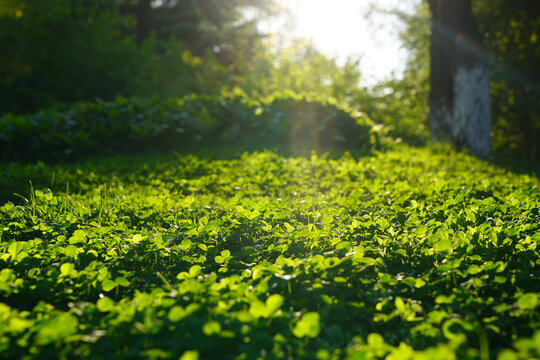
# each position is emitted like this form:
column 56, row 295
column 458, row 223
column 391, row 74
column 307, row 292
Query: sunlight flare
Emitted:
column 341, row 29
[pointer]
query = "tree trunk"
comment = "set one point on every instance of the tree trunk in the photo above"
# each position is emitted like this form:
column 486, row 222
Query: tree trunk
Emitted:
column 459, row 102
column 142, row 14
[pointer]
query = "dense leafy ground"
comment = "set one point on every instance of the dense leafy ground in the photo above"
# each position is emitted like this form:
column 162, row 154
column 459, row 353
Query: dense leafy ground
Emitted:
column 407, row 254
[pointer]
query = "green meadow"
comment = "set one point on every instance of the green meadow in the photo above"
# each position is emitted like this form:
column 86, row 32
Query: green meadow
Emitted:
column 405, row 254
column 208, row 179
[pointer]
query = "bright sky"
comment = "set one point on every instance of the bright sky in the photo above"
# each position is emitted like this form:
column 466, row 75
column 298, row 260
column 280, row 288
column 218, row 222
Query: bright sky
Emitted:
column 339, row 28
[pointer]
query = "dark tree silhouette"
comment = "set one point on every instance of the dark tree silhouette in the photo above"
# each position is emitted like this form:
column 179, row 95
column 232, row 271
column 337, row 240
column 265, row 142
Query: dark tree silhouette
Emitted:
column 459, row 97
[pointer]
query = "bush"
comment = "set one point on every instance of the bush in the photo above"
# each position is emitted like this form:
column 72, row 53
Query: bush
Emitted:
column 289, row 122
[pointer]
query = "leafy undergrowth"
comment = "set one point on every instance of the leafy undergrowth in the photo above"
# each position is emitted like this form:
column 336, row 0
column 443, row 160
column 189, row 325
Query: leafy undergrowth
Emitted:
column 410, row 254
column 142, row 125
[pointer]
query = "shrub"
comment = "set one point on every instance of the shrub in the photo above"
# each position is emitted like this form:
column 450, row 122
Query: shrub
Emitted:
column 288, row 122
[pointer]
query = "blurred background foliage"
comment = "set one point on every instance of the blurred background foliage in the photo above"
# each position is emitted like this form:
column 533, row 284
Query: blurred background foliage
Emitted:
column 59, row 52
column 512, row 36
column 512, row 31
column 70, row 50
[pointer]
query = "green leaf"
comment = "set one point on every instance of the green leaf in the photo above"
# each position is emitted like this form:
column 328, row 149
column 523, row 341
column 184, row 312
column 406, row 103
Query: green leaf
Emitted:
column 308, row 325
column 418, row 283
column 273, row 303
column 71, row 251
column 194, row 270
column 56, row 328
column 176, row 313
column 190, row 355
column 79, row 237
column 16, row 247
column 507, row 354
column 185, row 245
column 137, row 239
column 244, row 316
column 258, row 309
column 66, row 269
column 289, row 228
column 212, row 327
column 528, row 301
column 203, row 247
column 7, row 207
column 17, row 325
column 420, row 230
column 442, row 299
column 121, row 281
column 375, row 341
column 443, row 245
column 383, row 224
column 473, row 269
column 105, row 304
column 400, row 305
column 108, row 285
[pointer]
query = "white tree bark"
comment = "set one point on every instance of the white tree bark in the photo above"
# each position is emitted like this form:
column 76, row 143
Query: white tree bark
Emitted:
column 468, row 122
column 472, row 111
column 459, row 96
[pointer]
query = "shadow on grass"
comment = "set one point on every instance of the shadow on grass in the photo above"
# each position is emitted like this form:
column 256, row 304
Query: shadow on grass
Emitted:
column 517, row 165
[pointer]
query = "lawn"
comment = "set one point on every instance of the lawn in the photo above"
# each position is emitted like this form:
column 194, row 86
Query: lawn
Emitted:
column 407, row 253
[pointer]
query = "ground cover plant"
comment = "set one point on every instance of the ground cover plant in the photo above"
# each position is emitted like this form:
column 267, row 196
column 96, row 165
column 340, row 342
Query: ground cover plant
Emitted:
column 406, row 254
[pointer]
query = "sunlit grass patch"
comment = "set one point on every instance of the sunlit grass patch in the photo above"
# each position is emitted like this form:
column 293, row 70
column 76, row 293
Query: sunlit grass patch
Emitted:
column 412, row 252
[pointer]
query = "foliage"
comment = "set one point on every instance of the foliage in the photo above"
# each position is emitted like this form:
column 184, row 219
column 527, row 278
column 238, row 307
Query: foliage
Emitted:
column 512, row 40
column 300, row 68
column 413, row 253
column 167, row 69
column 61, row 50
column 219, row 26
column 94, row 49
column 67, row 51
column 288, row 121
column 400, row 103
